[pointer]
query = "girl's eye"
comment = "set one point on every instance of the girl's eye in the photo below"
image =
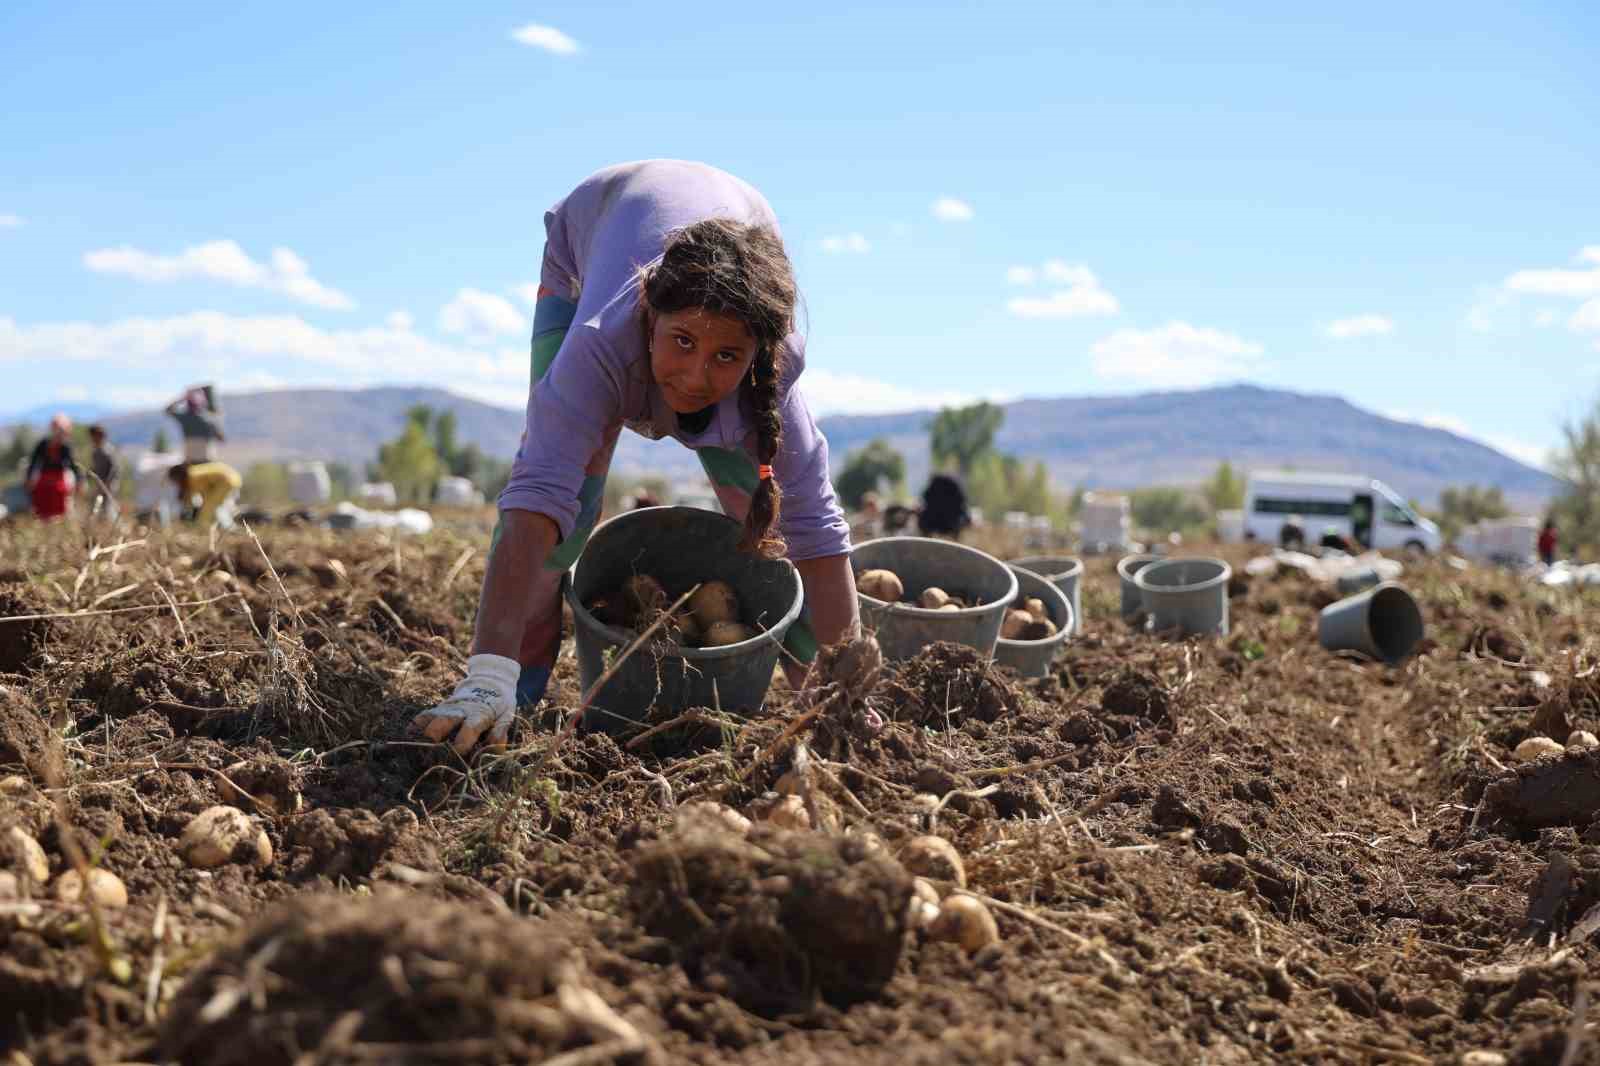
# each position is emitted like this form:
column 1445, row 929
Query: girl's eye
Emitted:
column 684, row 342
column 727, row 358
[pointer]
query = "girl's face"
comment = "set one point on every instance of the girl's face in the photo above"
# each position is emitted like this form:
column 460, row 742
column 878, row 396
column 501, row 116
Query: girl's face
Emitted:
column 698, row 357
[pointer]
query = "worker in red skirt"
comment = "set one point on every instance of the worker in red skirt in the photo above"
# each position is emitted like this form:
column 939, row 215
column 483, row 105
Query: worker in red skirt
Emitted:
column 53, row 474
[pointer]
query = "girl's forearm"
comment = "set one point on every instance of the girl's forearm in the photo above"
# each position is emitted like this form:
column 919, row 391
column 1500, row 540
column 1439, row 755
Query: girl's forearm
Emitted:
column 525, row 543
column 830, row 587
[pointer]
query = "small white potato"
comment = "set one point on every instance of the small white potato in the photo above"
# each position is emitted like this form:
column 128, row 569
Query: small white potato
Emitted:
column 881, row 585
column 1015, row 622
column 29, row 855
column 933, row 597
column 713, row 602
column 217, row 833
column 107, row 888
column 950, row 607
column 788, row 813
column 935, row 857
column 1582, row 740
column 965, row 921
column 923, row 889
column 720, row 634
column 715, row 813
column 1036, row 609
column 1537, row 748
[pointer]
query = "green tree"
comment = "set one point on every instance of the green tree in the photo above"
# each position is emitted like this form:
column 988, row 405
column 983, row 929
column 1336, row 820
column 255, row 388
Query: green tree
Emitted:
column 1468, row 505
column 159, row 443
column 1225, row 490
column 1577, row 464
column 1161, row 509
column 18, row 451
column 410, row 462
column 960, row 435
column 867, row 468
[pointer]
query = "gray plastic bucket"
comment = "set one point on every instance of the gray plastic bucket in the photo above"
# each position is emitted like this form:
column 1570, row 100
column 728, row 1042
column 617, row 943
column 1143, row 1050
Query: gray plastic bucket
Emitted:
column 1032, row 658
column 1190, row 595
column 1384, row 623
column 1065, row 572
column 1353, row 581
column 679, row 546
column 922, row 562
column 1127, row 567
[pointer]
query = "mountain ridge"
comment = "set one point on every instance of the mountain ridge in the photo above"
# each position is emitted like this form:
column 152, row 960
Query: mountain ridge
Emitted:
column 1105, row 442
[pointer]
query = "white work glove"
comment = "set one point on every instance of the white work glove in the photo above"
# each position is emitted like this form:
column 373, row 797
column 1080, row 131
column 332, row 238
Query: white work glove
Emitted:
column 484, row 702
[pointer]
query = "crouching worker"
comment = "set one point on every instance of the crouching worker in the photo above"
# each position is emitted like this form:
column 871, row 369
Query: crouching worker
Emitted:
column 215, row 483
column 697, row 344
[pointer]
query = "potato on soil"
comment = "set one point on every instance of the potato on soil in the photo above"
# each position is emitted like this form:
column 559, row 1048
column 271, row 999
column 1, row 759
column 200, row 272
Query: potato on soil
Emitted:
column 220, row 835
column 965, row 921
column 881, row 585
column 643, row 598
column 721, row 634
column 713, row 602
column 714, row 814
column 107, row 888
column 789, row 812
column 935, row 857
column 1537, row 748
column 933, row 597
column 26, row 855
column 1016, row 621
column 1036, row 609
column 1582, row 739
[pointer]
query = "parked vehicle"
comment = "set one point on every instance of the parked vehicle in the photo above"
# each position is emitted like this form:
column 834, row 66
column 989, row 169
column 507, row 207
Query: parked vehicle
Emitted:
column 1362, row 509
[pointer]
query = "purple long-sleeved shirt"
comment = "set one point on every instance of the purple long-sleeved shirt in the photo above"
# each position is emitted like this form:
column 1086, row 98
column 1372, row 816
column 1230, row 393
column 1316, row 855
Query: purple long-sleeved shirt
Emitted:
column 595, row 240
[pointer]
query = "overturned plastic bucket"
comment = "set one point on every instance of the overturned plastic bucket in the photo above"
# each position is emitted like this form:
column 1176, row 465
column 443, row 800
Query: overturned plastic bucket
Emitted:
column 1032, row 658
column 1127, row 567
column 904, row 629
column 680, row 547
column 1189, row 595
column 1383, row 623
column 1065, row 572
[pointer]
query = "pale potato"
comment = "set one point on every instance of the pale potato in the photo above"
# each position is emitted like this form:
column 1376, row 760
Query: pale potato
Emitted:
column 713, row 602
column 720, row 634
column 106, row 887
column 1537, row 748
column 1036, row 608
column 217, row 834
column 965, row 921
column 933, row 598
column 881, row 585
column 27, row 853
column 935, row 857
column 950, row 607
column 1015, row 622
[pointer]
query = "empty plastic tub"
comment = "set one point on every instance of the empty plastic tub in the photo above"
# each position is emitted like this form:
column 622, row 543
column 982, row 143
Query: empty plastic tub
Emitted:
column 1127, row 567
column 679, row 546
column 921, row 563
column 1190, row 595
column 1384, row 623
column 1065, row 572
column 1032, row 658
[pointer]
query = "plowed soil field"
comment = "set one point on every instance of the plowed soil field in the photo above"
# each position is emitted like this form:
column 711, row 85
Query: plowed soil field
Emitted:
column 1206, row 851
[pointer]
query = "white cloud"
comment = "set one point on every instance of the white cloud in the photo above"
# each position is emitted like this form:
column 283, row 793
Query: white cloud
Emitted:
column 10, row 221
column 1021, row 275
column 1587, row 318
column 478, row 314
column 546, row 37
column 1361, row 326
column 285, row 272
column 527, row 292
column 1177, row 355
column 853, row 243
column 1083, row 295
column 1556, row 282
column 1546, row 317
column 949, row 209
column 399, row 320
column 830, row 393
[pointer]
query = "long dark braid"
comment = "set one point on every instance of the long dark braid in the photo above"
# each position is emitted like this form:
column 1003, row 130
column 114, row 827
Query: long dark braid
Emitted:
column 735, row 269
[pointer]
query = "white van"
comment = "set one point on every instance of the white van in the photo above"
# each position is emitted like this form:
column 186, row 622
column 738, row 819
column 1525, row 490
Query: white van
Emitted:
column 1361, row 508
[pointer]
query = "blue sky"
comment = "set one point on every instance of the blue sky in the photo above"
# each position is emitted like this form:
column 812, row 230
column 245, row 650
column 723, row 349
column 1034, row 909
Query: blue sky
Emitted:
column 1396, row 203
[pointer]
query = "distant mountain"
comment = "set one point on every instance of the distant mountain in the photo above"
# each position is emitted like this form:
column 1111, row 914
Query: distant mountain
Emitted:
column 41, row 415
column 1117, row 442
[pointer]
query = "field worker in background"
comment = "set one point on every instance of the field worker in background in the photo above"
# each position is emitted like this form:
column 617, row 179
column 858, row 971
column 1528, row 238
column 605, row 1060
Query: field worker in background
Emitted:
column 1548, row 540
column 666, row 305
column 215, row 483
column 53, row 473
column 104, row 465
column 944, row 508
column 201, row 423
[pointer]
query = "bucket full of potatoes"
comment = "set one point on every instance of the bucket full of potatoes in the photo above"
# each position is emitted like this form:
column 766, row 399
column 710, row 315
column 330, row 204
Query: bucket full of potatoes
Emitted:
column 718, row 649
column 918, row 590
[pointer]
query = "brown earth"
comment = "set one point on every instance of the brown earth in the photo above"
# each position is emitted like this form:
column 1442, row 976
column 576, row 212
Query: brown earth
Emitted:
column 1213, row 851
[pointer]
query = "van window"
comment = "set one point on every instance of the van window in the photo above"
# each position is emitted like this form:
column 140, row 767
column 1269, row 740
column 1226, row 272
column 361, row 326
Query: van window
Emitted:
column 1306, row 508
column 1396, row 516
